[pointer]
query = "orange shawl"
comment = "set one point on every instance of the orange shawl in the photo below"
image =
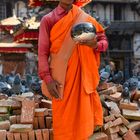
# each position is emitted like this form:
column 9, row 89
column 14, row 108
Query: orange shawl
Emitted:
column 76, row 115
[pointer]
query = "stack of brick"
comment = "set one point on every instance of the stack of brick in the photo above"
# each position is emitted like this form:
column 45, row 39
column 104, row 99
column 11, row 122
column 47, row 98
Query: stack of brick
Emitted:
column 30, row 120
column 123, row 120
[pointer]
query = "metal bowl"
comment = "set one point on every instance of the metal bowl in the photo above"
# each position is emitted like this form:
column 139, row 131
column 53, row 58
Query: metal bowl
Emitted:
column 83, row 31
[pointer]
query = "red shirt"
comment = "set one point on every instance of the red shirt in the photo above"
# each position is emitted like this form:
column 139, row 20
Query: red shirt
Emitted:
column 44, row 43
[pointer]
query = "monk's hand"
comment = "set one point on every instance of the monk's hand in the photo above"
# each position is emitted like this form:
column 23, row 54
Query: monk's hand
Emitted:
column 90, row 43
column 53, row 89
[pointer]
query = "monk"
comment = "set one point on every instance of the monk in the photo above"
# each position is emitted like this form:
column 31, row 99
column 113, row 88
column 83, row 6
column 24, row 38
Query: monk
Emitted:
column 70, row 72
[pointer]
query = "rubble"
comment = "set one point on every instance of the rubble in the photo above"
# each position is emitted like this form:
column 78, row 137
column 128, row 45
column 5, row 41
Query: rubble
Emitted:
column 29, row 117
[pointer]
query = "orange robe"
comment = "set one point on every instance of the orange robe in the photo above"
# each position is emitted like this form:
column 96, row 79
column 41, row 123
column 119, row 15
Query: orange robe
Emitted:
column 80, row 110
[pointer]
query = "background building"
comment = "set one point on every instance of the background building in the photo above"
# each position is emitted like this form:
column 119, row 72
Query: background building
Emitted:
column 122, row 16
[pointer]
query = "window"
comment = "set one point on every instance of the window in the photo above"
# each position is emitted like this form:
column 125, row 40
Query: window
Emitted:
column 2, row 11
column 117, row 12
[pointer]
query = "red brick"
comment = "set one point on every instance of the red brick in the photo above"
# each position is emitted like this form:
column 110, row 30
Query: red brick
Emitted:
column 24, row 136
column 109, row 118
column 116, row 96
column 130, row 136
column 36, row 105
column 122, row 130
column 31, row 135
column 3, row 110
column 130, row 106
column 125, row 121
column 117, row 122
column 134, row 125
column 138, row 135
column 41, row 122
column 45, row 133
column 13, row 119
column 112, row 130
column 21, row 128
column 51, row 134
column 49, row 122
column 4, row 125
column 113, row 136
column 38, row 135
column 35, row 123
column 114, row 107
column 131, row 114
column 45, row 104
column 108, row 125
column 18, row 119
column 119, row 88
column 108, row 91
column 10, row 136
column 41, row 112
column 3, row 96
column 28, row 110
column 103, row 86
column 2, row 134
column 17, row 136
column 99, row 136
column 50, row 112
column 10, row 103
column 137, row 95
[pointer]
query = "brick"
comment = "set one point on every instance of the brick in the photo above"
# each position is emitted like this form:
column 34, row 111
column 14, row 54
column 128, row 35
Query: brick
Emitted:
column 10, row 136
column 131, row 114
column 138, row 135
column 108, row 125
column 35, row 123
column 130, row 136
column 99, row 136
column 17, row 112
column 17, row 136
column 119, row 88
column 122, row 130
column 36, row 105
column 50, row 112
column 2, row 134
column 49, row 122
column 10, row 103
column 125, row 121
column 109, row 118
column 41, row 112
column 119, row 138
column 21, row 128
column 45, row 133
column 113, row 136
column 24, row 136
column 117, row 122
column 3, row 96
column 51, row 134
column 45, row 104
column 114, row 107
column 130, row 106
column 41, row 122
column 137, row 95
column 18, row 118
column 28, row 110
column 31, row 135
column 134, row 125
column 103, row 86
column 4, row 125
column 108, row 91
column 116, row 96
column 13, row 119
column 38, row 134
column 112, row 130
column 3, row 110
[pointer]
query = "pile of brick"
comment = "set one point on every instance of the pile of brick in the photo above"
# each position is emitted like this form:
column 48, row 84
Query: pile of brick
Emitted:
column 25, row 118
column 122, row 121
